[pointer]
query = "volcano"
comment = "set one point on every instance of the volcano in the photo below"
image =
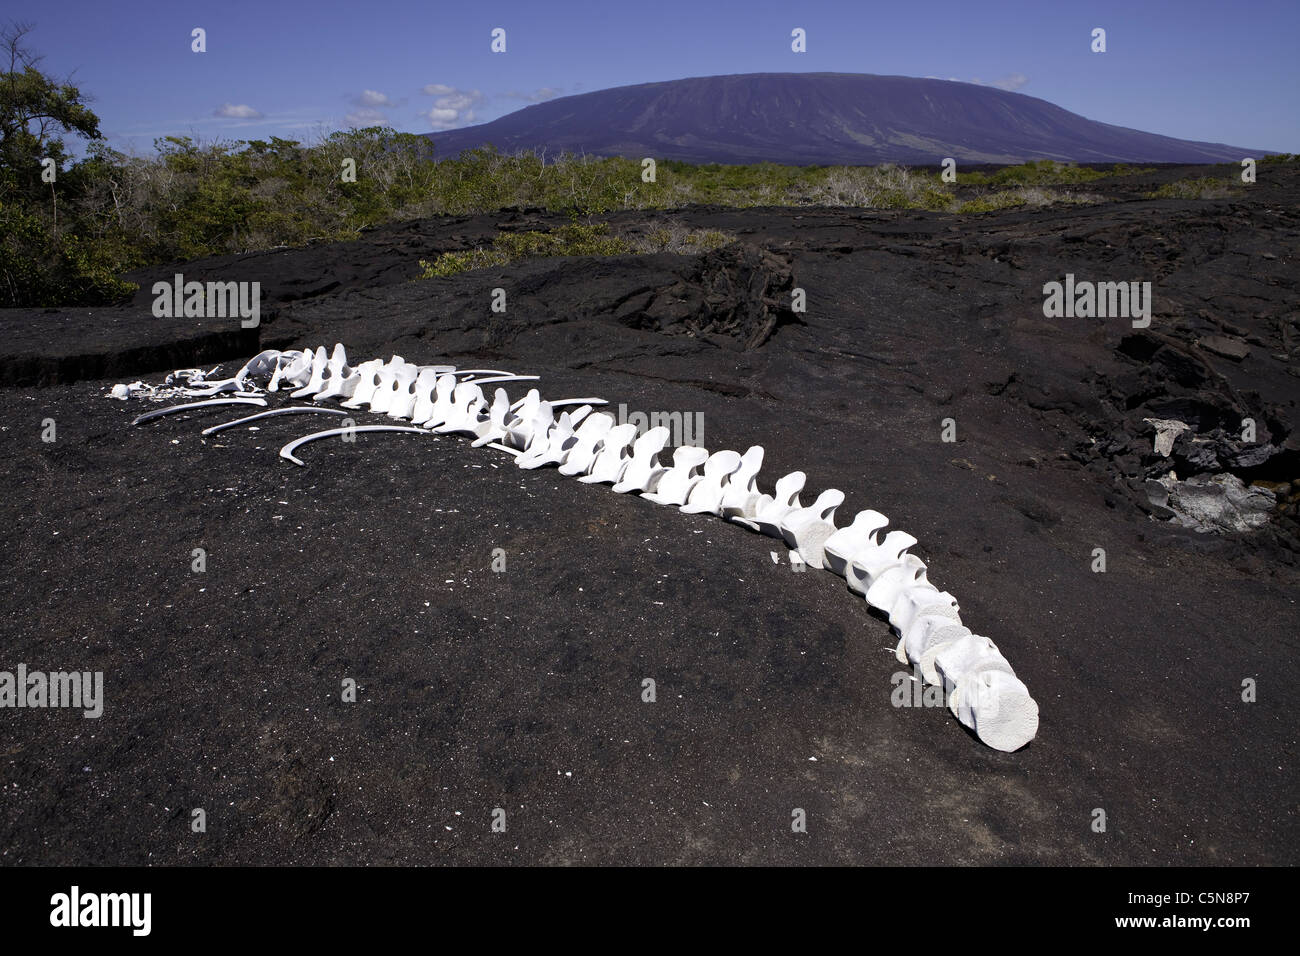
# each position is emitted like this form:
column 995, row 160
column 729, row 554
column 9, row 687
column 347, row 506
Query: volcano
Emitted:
column 823, row 119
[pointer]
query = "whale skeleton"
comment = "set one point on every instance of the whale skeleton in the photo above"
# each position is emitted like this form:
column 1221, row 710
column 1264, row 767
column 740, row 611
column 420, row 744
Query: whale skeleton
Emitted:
column 979, row 686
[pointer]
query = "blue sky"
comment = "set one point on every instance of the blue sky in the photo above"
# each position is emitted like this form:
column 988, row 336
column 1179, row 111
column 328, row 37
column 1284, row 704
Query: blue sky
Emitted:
column 1195, row 70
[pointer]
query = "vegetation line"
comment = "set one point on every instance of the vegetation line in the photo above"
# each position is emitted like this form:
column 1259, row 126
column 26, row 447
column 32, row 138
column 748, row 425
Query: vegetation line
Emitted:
column 69, row 240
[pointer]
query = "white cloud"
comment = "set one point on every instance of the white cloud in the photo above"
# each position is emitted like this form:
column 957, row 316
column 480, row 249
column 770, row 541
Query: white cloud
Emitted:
column 447, row 119
column 372, row 99
column 538, row 96
column 207, row 126
column 451, row 106
column 233, row 111
column 362, row 118
column 1010, row 82
column 367, row 110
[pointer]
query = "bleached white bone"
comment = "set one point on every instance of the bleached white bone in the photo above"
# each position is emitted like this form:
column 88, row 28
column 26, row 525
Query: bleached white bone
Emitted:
column 770, row 509
column 520, row 429
column 444, row 401
column 395, row 379
column 520, row 420
column 521, row 433
column 676, row 483
column 643, row 470
column 561, row 402
column 402, row 404
column 806, row 529
column 526, row 406
column 316, row 380
column 367, row 381
column 288, row 450
column 493, row 428
column 340, row 379
column 342, row 388
column 539, row 448
column 706, row 496
column 181, row 377
column 540, row 431
column 286, row 360
column 964, row 655
column 998, row 707
column 922, row 633
column 553, row 447
column 493, row 379
column 273, row 413
column 614, row 455
column 538, row 451
column 913, row 601
column 587, row 439
column 263, row 363
column 965, row 658
column 467, row 402
column 298, row 371
column 173, row 409
column 222, row 387
column 426, row 387
column 941, row 638
column 848, row 541
column 200, row 383
column 522, row 425
column 874, row 557
column 740, row 496
column 890, row 583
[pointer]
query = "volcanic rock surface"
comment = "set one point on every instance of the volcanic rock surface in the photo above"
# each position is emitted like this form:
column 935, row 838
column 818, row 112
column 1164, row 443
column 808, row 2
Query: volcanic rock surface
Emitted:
column 523, row 690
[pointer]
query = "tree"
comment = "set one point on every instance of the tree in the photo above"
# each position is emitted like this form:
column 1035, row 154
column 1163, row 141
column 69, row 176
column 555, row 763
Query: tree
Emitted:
column 36, row 111
column 44, row 262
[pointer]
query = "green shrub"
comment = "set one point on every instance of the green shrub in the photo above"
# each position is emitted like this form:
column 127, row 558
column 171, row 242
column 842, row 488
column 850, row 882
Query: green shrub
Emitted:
column 1007, row 199
column 1205, row 188
column 1045, row 172
column 677, row 238
column 42, row 268
column 573, row 239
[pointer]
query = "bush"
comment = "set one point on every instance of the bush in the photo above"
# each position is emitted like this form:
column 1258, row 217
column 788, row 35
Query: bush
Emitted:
column 1204, row 188
column 574, row 239
column 41, row 267
column 570, row 240
column 1044, row 172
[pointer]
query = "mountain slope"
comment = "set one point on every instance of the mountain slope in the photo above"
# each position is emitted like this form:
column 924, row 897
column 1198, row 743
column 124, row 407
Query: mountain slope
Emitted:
column 823, row 118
